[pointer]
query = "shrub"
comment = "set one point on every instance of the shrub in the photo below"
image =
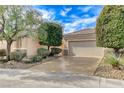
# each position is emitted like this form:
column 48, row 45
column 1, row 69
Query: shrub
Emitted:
column 55, row 51
column 43, row 52
column 110, row 28
column 50, row 34
column 2, row 52
column 112, row 60
column 18, row 55
column 36, row 58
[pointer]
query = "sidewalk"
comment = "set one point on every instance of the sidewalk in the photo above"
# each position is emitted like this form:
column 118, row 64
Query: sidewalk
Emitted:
column 28, row 79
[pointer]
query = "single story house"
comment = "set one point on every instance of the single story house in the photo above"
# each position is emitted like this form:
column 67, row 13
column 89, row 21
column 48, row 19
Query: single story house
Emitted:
column 83, row 44
column 27, row 43
column 79, row 43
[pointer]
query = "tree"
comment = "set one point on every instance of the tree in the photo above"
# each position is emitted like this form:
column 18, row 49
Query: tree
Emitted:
column 17, row 21
column 110, row 28
column 50, row 34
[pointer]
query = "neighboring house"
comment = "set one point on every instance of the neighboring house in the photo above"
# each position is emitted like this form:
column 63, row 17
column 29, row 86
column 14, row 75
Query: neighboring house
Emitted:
column 24, row 43
column 83, row 44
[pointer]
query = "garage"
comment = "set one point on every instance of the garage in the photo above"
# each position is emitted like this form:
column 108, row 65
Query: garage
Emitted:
column 83, row 44
column 85, row 49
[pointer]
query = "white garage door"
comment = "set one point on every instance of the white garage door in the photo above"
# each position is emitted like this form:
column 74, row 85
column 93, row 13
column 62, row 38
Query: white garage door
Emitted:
column 85, row 49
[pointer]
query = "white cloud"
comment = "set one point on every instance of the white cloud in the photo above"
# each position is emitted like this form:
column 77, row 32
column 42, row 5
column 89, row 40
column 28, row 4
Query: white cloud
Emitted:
column 68, row 9
column 74, row 16
column 69, row 31
column 89, row 20
column 86, row 15
column 85, row 9
column 47, row 14
column 83, row 21
column 71, row 27
column 65, row 11
column 78, row 23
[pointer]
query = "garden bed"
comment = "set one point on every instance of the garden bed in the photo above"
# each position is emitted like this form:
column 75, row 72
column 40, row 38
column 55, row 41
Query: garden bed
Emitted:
column 106, row 71
column 22, row 65
column 17, row 65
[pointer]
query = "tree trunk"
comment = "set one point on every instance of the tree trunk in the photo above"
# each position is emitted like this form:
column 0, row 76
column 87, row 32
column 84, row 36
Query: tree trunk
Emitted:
column 117, row 55
column 116, row 50
column 8, row 50
column 48, row 47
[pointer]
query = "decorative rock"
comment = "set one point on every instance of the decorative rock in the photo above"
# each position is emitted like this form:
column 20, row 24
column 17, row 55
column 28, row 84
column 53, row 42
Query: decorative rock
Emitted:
column 11, row 62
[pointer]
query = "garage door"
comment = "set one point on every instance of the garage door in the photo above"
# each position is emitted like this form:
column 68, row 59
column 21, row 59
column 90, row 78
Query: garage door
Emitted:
column 85, row 49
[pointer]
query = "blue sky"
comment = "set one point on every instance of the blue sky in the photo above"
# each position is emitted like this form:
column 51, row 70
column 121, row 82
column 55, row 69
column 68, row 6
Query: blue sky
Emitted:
column 71, row 17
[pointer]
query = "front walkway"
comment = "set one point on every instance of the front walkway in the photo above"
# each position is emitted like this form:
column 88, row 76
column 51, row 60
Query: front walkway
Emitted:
column 29, row 79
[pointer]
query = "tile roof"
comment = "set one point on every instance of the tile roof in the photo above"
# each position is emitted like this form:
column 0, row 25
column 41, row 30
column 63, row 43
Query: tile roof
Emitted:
column 81, row 35
column 84, row 31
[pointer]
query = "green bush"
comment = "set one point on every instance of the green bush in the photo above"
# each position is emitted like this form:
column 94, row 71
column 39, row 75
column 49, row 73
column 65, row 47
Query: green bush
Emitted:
column 55, row 51
column 43, row 52
column 110, row 27
column 18, row 55
column 36, row 58
column 2, row 52
column 50, row 34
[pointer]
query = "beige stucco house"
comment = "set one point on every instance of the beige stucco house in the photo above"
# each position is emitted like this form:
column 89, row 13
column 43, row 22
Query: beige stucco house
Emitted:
column 83, row 44
column 27, row 43
column 80, row 43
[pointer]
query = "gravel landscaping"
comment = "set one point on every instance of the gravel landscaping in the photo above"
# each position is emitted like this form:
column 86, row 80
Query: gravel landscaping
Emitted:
column 17, row 65
column 106, row 70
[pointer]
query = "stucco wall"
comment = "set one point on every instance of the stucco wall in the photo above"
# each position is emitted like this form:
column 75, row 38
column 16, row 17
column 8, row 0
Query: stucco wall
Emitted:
column 26, row 43
column 32, row 46
column 3, row 45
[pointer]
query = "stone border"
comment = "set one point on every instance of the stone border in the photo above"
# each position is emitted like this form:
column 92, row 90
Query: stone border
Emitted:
column 98, row 63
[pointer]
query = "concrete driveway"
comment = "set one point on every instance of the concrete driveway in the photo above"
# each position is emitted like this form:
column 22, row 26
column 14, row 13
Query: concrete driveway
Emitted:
column 75, row 65
column 67, row 72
